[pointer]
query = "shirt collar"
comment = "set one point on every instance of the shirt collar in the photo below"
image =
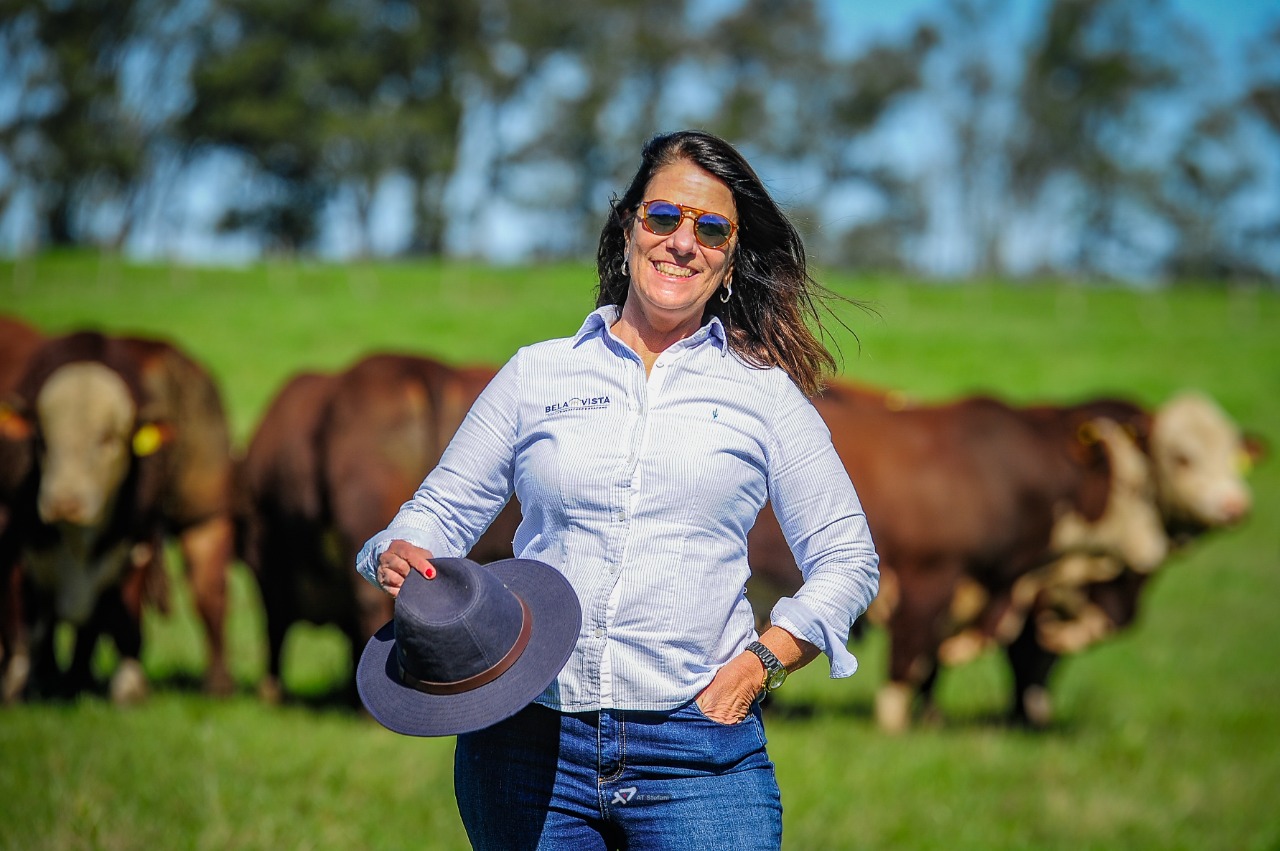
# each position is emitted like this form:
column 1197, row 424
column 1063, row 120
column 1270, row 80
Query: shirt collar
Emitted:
column 599, row 321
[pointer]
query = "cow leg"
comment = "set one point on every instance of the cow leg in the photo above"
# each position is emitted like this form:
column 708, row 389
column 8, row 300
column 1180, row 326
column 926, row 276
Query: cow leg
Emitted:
column 79, row 675
column 914, row 637
column 927, row 693
column 350, row 693
column 279, row 616
column 123, row 621
column 110, row 617
column 44, row 679
column 15, row 653
column 1031, row 665
column 207, row 549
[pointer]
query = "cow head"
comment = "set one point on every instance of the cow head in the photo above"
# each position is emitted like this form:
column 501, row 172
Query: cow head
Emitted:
column 1130, row 527
column 1200, row 458
column 85, row 415
column 90, row 431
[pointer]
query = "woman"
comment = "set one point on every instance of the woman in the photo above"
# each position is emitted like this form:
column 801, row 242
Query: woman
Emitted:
column 641, row 450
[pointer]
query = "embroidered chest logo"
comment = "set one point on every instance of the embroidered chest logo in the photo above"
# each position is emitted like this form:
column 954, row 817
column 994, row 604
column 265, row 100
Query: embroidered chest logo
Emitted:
column 579, row 403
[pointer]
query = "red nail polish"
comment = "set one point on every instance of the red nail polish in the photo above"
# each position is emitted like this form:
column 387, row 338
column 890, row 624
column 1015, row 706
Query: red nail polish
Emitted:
column 430, row 572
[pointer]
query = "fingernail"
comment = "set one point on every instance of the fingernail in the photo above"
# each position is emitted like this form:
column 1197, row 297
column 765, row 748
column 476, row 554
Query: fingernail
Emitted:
column 430, row 572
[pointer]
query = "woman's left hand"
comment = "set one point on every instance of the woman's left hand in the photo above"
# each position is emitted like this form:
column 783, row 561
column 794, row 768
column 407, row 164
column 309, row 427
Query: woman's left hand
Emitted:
column 728, row 697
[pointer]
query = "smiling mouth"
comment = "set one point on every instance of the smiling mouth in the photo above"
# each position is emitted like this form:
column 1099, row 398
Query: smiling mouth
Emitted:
column 673, row 271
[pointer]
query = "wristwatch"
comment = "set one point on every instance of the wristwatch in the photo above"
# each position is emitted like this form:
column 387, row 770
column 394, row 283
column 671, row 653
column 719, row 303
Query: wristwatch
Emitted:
column 774, row 671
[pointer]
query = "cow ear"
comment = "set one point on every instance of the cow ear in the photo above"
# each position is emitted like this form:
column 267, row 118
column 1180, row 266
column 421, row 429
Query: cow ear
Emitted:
column 13, row 425
column 150, row 438
column 1253, row 449
column 1088, row 448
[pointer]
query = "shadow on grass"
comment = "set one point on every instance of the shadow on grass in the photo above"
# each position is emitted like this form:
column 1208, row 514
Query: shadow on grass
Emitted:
column 338, row 696
column 934, row 719
column 794, row 709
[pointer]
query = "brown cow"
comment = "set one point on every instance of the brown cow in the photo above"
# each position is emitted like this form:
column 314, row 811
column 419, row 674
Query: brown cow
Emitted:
column 331, row 462
column 1198, row 458
column 131, row 446
column 18, row 341
column 973, row 489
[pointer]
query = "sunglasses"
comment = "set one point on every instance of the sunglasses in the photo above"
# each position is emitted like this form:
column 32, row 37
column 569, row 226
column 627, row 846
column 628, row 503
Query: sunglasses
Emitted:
column 662, row 218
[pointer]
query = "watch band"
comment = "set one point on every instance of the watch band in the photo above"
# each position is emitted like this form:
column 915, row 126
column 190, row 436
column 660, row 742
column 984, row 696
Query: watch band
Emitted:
column 774, row 671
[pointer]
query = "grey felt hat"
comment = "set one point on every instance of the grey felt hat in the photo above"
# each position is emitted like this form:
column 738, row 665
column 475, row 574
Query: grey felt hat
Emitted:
column 470, row 647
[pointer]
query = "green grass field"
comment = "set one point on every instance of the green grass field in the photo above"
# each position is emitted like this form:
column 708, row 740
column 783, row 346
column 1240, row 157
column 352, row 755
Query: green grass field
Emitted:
column 1168, row 736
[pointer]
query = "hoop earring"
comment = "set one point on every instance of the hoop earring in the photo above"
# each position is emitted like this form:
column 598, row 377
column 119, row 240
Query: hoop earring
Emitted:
column 728, row 291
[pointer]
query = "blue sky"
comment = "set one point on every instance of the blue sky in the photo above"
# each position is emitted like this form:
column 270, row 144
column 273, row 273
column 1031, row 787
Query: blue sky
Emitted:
column 1227, row 22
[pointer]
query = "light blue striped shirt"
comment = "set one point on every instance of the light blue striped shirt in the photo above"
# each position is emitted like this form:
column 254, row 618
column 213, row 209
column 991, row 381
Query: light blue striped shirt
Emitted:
column 641, row 489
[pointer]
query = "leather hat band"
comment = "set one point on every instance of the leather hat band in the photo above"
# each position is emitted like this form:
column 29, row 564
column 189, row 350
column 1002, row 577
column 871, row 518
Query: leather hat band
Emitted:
column 484, row 677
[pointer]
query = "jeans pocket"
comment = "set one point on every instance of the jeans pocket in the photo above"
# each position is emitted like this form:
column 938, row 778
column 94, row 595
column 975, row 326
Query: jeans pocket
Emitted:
column 696, row 710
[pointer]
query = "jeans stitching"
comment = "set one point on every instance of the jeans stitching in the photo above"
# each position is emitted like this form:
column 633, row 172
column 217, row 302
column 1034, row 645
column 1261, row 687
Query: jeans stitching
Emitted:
column 622, row 747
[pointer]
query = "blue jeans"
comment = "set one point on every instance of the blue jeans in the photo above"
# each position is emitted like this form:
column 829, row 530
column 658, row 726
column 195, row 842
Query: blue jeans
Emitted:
column 618, row 779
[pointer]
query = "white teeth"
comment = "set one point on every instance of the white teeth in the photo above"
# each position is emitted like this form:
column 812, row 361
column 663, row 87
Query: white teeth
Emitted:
column 673, row 270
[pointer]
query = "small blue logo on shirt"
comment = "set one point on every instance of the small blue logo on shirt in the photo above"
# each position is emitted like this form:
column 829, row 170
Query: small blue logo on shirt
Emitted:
column 579, row 403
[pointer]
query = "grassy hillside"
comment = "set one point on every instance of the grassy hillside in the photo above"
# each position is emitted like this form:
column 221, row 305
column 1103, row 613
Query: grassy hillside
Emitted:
column 1167, row 735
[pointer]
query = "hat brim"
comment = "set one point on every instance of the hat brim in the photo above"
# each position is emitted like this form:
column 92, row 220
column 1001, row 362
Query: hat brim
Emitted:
column 557, row 620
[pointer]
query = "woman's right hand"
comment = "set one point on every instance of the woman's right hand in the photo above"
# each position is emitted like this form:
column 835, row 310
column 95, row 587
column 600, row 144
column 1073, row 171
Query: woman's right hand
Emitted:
column 396, row 562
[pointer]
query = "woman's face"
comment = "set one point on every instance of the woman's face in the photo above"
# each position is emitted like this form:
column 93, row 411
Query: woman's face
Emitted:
column 673, row 276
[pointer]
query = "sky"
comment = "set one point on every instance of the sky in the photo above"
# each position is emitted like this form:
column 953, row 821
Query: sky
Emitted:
column 1227, row 21
column 1228, row 24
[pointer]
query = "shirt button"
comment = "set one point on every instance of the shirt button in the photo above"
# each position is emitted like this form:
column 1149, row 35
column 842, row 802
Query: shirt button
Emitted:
column 599, row 632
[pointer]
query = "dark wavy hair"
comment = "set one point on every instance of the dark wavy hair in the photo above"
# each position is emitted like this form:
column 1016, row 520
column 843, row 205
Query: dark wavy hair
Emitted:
column 774, row 297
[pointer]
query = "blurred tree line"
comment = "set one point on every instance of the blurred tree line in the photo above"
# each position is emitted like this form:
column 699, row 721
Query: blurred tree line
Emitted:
column 1091, row 145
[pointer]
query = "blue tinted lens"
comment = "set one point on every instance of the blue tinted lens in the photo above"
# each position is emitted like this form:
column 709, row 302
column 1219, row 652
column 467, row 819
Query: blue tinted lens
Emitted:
column 713, row 230
column 662, row 217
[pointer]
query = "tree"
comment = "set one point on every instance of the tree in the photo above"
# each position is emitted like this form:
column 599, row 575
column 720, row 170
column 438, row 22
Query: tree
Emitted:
column 1262, row 101
column 318, row 95
column 1088, row 77
column 1209, row 171
column 79, row 136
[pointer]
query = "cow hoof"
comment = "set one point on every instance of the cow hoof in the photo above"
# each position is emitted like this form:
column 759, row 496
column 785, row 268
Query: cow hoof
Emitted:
column 269, row 691
column 218, row 683
column 1037, row 706
column 893, row 707
column 16, row 674
column 128, row 683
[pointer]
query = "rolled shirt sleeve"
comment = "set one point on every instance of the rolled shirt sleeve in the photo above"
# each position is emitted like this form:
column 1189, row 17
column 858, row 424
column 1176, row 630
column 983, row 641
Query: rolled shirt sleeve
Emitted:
column 823, row 521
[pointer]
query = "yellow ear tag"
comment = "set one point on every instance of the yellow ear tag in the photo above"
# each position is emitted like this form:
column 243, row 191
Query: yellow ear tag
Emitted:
column 1244, row 462
column 12, row 424
column 147, row 440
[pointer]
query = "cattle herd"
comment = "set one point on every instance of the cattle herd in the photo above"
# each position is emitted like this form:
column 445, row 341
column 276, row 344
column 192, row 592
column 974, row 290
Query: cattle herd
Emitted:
column 1029, row 529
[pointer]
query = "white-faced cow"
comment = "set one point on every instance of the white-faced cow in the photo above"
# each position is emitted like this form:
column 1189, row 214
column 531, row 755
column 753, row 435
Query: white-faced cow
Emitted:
column 331, row 462
column 976, row 491
column 1198, row 457
column 130, row 445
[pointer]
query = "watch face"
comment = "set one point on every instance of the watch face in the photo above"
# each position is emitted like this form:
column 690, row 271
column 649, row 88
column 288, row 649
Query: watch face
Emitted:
column 777, row 678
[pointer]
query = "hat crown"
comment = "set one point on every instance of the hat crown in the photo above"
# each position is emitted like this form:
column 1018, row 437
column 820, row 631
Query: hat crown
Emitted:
column 457, row 625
